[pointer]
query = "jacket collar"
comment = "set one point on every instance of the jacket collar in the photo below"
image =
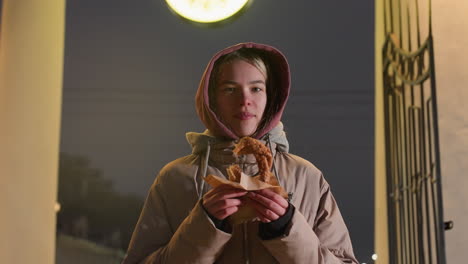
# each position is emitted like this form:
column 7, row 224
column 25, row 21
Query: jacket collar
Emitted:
column 221, row 148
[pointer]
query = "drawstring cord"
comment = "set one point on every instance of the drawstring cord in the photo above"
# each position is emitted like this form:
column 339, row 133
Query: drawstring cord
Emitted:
column 268, row 143
column 205, row 168
column 274, row 158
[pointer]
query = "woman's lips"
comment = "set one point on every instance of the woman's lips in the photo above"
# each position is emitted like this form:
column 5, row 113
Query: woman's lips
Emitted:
column 244, row 115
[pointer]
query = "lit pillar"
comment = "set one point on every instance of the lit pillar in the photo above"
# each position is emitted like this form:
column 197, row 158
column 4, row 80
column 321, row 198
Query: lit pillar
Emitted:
column 450, row 29
column 31, row 66
column 380, row 210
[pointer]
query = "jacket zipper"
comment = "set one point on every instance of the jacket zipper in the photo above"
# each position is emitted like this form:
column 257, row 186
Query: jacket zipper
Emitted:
column 244, row 226
column 246, row 243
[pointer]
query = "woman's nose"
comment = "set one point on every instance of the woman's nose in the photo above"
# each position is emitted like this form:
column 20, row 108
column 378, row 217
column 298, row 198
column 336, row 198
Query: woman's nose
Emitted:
column 245, row 99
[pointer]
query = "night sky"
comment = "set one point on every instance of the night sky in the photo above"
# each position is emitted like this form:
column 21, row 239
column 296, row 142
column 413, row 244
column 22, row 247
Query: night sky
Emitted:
column 132, row 69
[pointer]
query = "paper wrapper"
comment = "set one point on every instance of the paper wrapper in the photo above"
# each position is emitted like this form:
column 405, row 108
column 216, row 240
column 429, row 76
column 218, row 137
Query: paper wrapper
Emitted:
column 246, row 212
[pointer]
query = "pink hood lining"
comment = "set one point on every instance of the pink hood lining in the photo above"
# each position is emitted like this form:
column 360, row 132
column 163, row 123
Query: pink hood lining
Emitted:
column 279, row 71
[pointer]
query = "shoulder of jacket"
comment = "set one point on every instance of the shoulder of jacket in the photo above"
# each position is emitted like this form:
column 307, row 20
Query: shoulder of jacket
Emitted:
column 180, row 164
column 310, row 171
column 179, row 172
column 300, row 162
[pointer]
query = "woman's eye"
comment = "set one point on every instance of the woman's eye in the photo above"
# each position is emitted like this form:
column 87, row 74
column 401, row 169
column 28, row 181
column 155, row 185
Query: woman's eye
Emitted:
column 228, row 89
column 257, row 89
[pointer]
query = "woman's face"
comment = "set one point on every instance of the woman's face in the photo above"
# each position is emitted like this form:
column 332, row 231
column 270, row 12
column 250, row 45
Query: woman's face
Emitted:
column 240, row 96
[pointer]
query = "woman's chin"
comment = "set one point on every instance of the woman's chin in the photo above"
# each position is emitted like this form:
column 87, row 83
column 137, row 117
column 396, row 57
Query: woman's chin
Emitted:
column 244, row 133
column 245, row 128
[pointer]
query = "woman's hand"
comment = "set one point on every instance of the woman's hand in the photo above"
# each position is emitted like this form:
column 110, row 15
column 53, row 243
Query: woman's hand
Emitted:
column 269, row 205
column 223, row 201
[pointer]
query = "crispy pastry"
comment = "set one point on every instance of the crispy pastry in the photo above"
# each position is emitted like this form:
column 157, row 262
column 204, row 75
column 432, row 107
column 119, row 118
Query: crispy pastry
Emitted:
column 264, row 178
column 248, row 145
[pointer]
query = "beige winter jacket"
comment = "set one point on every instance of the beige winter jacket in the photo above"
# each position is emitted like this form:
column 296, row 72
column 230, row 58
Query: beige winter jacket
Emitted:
column 174, row 228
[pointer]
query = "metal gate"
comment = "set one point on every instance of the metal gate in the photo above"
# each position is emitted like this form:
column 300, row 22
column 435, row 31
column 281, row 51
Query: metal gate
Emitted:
column 415, row 216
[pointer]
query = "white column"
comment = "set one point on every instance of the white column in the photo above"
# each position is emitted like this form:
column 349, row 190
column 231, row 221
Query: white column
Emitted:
column 380, row 222
column 31, row 66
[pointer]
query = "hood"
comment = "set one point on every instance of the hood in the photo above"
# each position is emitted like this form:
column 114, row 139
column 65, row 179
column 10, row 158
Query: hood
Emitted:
column 279, row 74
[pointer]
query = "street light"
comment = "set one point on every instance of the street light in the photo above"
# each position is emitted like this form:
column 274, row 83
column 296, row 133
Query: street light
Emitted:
column 206, row 11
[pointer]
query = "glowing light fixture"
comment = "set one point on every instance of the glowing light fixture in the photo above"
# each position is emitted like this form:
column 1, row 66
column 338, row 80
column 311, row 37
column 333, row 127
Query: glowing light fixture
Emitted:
column 57, row 207
column 206, row 11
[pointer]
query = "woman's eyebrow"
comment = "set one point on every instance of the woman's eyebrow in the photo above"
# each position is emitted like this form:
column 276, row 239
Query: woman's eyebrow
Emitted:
column 257, row 81
column 233, row 82
column 228, row 82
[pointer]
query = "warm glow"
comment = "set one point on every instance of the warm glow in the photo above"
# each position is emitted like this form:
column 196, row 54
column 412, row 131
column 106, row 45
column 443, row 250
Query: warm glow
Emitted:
column 374, row 257
column 57, row 207
column 206, row 11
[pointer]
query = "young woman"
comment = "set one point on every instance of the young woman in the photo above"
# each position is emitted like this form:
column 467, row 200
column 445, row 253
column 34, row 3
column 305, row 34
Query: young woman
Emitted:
column 243, row 92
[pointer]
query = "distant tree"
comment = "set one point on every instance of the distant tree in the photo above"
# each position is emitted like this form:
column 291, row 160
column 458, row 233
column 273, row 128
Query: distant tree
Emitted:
column 84, row 194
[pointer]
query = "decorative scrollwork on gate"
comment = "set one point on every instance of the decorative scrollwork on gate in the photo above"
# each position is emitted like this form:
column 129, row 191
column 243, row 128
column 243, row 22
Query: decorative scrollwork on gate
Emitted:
column 416, row 227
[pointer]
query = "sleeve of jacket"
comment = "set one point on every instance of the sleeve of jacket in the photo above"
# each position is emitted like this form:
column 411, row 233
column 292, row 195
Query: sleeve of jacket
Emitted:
column 327, row 241
column 195, row 240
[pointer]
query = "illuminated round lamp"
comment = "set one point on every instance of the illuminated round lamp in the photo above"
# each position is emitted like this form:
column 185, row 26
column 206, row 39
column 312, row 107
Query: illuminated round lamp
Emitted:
column 206, row 11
